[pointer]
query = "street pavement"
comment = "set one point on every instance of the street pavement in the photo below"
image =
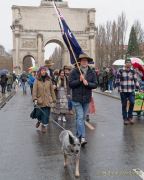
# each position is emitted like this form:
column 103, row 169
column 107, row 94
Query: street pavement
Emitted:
column 113, row 94
column 112, row 152
column 4, row 98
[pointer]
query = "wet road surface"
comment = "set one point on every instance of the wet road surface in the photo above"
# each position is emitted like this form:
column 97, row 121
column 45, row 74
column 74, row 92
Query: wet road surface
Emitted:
column 111, row 153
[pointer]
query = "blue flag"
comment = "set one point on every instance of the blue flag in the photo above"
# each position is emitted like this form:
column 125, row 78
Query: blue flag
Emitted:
column 73, row 46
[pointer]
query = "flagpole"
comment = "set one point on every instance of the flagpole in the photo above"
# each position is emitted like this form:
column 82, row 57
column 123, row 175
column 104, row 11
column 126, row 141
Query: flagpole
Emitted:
column 57, row 13
column 67, row 38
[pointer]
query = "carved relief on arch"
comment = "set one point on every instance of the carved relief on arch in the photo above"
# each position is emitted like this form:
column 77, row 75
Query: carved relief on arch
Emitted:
column 83, row 43
column 28, row 43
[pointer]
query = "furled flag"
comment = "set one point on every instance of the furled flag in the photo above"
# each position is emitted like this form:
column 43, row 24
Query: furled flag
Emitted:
column 73, row 46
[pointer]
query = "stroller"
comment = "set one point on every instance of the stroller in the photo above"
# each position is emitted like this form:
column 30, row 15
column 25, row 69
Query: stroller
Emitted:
column 139, row 104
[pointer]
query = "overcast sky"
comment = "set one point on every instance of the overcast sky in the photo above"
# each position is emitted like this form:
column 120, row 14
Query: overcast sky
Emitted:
column 105, row 10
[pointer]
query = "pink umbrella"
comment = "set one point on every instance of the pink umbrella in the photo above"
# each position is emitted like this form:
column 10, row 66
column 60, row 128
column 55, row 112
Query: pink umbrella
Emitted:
column 136, row 60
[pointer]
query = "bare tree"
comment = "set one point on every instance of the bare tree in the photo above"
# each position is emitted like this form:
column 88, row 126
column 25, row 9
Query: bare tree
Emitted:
column 122, row 25
column 139, row 31
column 57, row 58
column 110, row 40
column 100, row 45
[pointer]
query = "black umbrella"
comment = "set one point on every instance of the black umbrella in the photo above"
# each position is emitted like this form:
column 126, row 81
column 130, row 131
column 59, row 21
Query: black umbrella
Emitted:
column 3, row 71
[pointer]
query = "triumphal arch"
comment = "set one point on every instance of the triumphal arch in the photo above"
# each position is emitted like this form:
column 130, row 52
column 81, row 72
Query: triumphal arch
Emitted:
column 34, row 27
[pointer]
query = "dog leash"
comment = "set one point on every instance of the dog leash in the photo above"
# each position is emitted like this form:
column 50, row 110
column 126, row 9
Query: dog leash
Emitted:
column 36, row 106
column 52, row 119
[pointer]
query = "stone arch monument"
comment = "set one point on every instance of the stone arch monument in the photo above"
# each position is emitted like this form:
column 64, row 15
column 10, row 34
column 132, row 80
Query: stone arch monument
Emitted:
column 34, row 27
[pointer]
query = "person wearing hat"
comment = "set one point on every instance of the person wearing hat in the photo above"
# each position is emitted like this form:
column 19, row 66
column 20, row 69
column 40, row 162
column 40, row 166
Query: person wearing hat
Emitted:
column 44, row 97
column 127, row 83
column 67, row 70
column 48, row 65
column 82, row 81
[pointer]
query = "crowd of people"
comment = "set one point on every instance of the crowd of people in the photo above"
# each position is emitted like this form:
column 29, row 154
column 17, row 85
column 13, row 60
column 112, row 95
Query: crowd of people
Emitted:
column 64, row 90
column 7, row 82
column 70, row 88
column 106, row 79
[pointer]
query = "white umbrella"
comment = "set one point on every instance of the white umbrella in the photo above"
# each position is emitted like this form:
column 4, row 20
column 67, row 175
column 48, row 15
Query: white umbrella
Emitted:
column 119, row 62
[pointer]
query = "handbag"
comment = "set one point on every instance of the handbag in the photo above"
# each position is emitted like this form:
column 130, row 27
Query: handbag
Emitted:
column 33, row 114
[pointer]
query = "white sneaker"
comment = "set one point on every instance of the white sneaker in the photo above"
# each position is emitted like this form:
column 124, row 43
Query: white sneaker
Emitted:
column 63, row 119
column 59, row 118
column 83, row 141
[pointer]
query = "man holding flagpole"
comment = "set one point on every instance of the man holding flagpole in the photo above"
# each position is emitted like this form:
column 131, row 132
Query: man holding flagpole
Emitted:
column 82, row 82
column 82, row 79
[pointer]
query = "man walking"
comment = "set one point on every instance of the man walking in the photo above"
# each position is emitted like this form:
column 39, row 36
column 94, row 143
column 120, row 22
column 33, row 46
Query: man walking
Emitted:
column 48, row 65
column 82, row 85
column 127, row 83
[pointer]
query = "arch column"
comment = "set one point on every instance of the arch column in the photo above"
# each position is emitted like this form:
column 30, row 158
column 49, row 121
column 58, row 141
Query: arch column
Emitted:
column 16, row 63
column 65, row 58
column 40, row 50
column 92, row 46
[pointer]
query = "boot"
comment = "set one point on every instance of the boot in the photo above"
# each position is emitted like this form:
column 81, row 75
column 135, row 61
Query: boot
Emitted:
column 37, row 124
column 43, row 129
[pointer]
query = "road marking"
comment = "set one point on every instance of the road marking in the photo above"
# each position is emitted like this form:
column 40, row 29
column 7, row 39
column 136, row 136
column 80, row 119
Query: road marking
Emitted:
column 89, row 125
column 139, row 172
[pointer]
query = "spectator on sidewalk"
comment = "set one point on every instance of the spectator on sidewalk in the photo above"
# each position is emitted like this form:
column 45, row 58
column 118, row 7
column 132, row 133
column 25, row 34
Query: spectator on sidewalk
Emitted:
column 31, row 79
column 9, row 82
column 127, row 84
column 105, row 79
column 3, row 83
column 82, row 85
column 110, row 80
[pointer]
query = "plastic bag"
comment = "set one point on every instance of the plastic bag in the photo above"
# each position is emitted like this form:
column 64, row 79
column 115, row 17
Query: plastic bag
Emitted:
column 92, row 108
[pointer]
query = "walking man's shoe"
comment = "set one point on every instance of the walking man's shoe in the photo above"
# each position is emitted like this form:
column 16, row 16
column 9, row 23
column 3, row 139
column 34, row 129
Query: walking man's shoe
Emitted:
column 126, row 122
column 43, row 129
column 132, row 121
column 83, row 142
column 37, row 124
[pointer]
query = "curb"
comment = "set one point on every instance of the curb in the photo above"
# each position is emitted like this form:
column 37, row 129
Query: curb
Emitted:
column 6, row 99
column 106, row 94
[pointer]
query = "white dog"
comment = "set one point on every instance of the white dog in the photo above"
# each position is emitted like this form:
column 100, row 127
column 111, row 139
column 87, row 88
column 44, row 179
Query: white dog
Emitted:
column 71, row 147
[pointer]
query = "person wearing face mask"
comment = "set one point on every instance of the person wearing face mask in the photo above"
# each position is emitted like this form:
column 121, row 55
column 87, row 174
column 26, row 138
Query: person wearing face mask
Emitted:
column 82, row 81
column 127, row 83
column 43, row 96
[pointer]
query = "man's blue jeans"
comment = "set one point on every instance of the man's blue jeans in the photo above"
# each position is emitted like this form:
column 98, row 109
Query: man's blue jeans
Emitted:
column 125, row 96
column 81, row 110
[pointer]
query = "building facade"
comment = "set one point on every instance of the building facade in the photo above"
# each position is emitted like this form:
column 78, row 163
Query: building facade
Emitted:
column 34, row 27
column 5, row 60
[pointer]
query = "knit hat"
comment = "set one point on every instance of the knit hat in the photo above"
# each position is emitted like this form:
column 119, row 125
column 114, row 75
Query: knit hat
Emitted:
column 128, row 60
